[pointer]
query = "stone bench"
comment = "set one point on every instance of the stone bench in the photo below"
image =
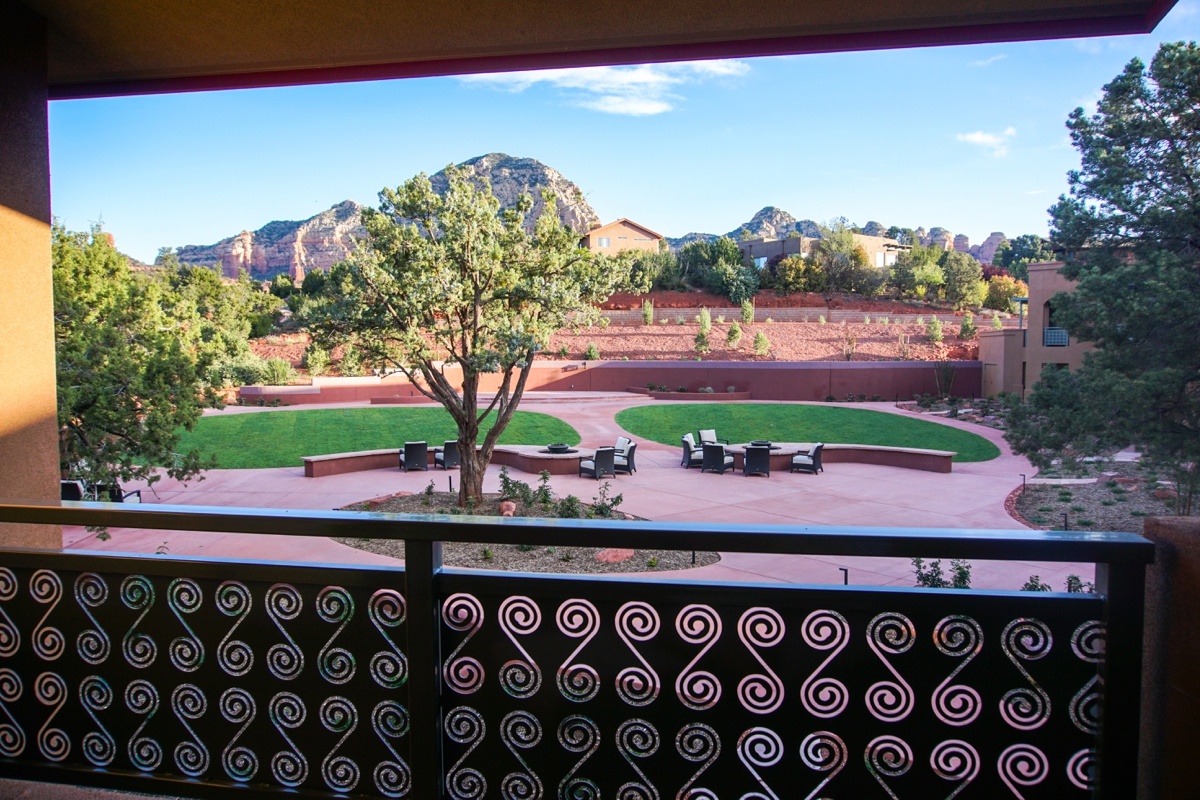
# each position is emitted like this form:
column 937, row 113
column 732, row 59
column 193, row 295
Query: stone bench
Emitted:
column 903, row 457
column 526, row 458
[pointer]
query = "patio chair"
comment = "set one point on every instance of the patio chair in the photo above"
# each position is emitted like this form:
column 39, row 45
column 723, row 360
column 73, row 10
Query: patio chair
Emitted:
column 600, row 464
column 757, row 461
column 709, row 436
column 625, row 463
column 693, row 456
column 446, row 456
column 115, row 494
column 716, row 459
column 414, row 456
column 73, row 490
column 809, row 462
column 623, row 442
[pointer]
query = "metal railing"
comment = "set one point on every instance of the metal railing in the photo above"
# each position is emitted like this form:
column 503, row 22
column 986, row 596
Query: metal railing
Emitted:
column 1054, row 337
column 192, row 676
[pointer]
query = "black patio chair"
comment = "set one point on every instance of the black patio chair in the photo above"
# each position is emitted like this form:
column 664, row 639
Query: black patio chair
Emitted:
column 415, row 455
column 693, row 456
column 447, row 457
column 716, row 459
column 709, row 436
column 808, row 462
column 73, row 490
column 600, row 464
column 115, row 494
column 625, row 463
column 757, row 461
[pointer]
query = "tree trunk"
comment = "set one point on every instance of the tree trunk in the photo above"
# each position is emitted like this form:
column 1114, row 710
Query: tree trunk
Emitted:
column 472, row 469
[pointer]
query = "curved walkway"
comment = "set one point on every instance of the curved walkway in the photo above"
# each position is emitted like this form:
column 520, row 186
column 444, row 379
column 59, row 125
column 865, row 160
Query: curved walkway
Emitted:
column 972, row 496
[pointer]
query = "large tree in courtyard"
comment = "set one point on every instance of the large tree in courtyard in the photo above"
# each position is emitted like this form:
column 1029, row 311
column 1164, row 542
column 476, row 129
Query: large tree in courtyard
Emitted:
column 1131, row 230
column 126, row 382
column 448, row 288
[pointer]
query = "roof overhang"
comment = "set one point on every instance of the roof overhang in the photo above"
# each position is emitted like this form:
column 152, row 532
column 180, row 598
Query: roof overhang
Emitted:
column 125, row 47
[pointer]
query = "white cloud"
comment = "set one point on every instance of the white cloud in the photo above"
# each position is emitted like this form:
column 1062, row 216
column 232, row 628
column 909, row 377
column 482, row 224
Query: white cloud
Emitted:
column 996, row 142
column 987, row 62
column 635, row 91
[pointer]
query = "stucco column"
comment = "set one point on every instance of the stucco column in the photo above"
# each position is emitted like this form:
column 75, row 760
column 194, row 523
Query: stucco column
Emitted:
column 28, row 427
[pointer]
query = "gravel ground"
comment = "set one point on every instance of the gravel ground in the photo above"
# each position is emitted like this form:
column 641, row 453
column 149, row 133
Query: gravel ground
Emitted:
column 1121, row 497
column 518, row 558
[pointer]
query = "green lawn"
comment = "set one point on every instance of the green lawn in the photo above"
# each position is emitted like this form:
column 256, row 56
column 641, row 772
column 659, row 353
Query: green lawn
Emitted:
column 742, row 422
column 280, row 438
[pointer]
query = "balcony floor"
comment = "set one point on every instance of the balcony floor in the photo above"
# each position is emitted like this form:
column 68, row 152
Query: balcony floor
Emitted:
column 972, row 496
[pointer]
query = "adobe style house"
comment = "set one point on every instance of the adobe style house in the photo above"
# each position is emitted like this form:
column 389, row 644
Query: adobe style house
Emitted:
column 206, row 678
column 881, row 251
column 1014, row 358
column 624, row 234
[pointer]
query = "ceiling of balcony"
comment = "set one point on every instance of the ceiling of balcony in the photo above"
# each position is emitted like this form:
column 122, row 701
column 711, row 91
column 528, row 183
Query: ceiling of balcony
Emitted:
column 114, row 47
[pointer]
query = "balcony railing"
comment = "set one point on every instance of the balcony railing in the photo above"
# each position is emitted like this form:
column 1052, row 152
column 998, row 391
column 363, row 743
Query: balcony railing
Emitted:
column 1054, row 337
column 191, row 676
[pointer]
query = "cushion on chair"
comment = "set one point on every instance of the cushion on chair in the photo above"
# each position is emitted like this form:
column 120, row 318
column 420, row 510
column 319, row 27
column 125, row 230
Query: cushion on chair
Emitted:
column 802, row 459
column 587, row 463
column 687, row 437
column 622, row 444
column 708, row 435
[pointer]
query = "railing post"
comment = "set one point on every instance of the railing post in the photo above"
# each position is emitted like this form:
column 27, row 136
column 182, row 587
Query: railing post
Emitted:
column 422, row 562
column 1124, row 589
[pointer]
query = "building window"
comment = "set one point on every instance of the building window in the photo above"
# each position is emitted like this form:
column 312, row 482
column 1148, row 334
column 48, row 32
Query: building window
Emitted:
column 760, row 262
column 879, row 259
column 604, row 242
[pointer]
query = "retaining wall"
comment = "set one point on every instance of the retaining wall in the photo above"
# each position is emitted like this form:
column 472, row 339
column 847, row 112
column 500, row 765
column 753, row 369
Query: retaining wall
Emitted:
column 763, row 380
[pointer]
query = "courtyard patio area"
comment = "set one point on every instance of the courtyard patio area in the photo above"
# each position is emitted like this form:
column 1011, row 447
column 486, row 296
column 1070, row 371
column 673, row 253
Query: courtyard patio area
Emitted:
column 845, row 494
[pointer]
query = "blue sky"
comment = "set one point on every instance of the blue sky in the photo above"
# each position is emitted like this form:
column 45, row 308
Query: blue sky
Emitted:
column 968, row 138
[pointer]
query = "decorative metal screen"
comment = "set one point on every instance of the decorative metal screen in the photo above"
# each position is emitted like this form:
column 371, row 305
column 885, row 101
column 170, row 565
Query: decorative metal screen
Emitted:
column 586, row 689
column 233, row 674
column 1054, row 337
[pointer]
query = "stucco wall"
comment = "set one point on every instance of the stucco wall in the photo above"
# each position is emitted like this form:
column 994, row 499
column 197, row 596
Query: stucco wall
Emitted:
column 28, row 419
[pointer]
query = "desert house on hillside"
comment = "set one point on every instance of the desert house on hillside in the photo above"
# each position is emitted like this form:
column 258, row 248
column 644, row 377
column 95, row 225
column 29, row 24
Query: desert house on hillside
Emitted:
column 624, row 234
column 1014, row 358
column 881, row 251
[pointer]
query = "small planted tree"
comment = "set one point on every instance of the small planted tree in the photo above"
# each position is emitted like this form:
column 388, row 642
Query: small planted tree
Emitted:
column 967, row 329
column 734, row 337
column 761, row 345
column 934, row 330
column 702, row 341
column 647, row 312
column 747, row 312
column 705, row 321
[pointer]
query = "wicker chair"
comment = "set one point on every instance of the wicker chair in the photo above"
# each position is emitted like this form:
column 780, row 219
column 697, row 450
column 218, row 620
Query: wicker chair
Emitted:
column 809, row 462
column 447, row 457
column 757, row 461
column 693, row 456
column 709, row 436
column 600, row 464
column 716, row 459
column 623, row 461
column 414, row 456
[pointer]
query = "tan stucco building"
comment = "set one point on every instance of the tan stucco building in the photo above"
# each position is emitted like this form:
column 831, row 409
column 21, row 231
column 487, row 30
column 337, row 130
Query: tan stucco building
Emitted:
column 1014, row 358
column 881, row 251
column 624, row 234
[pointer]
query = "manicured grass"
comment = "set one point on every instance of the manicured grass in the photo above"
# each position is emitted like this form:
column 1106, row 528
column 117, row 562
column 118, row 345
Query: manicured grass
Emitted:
column 742, row 422
column 279, row 438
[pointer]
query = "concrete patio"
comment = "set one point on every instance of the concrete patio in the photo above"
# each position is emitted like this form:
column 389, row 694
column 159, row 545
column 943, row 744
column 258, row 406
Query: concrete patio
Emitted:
column 971, row 497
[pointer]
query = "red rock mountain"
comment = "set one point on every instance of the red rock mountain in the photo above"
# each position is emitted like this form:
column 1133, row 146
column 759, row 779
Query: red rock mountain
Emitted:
column 295, row 248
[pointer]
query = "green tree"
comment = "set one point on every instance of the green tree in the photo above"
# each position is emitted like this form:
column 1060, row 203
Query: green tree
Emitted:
column 798, row 274
column 842, row 260
column 1130, row 228
column 963, row 278
column 734, row 337
column 452, row 281
column 1015, row 255
column 654, row 271
column 127, row 383
column 1001, row 291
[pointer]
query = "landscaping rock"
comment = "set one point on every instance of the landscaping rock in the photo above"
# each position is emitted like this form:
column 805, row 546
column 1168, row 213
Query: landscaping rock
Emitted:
column 614, row 555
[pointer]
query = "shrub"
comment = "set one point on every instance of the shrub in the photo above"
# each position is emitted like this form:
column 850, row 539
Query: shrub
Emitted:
column 680, row 321
column 934, row 330
column 702, row 341
column 731, row 389
column 997, row 325
column 569, row 507
column 351, row 363
column 967, row 329
column 705, row 320
column 245, row 370
column 920, row 320
column 747, row 312
column 902, row 341
column 603, row 322
column 664, row 321
column 681, row 388
column 705, row 390
column 647, row 312
column 821, row 320
column 512, row 489
column 1076, row 585
column 769, row 321
column 932, row 577
column 592, row 353
column 720, row 319
column 277, row 372
column 563, row 352
column 316, row 360
column 866, row 319
column 734, row 337
column 1001, row 290
column 761, row 345
column 1036, row 584
column 603, row 505
column 260, row 324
